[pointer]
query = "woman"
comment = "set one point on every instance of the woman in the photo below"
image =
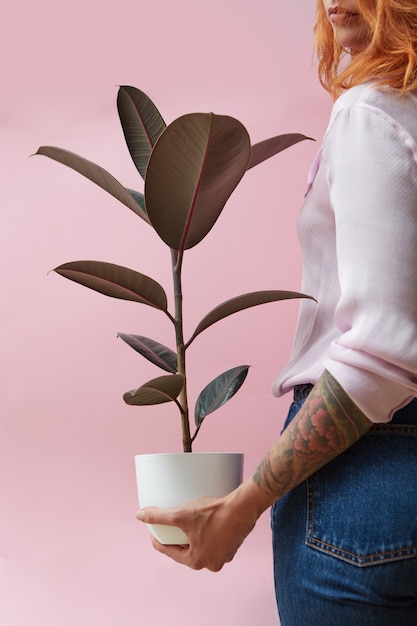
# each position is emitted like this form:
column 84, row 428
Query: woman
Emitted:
column 342, row 477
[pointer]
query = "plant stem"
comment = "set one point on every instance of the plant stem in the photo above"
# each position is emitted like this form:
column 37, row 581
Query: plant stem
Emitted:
column 179, row 336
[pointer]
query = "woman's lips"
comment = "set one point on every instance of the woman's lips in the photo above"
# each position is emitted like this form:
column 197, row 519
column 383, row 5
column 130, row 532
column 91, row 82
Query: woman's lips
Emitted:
column 338, row 15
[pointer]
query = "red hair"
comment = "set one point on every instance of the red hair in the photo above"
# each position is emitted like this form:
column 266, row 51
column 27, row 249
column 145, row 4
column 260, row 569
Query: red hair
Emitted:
column 390, row 57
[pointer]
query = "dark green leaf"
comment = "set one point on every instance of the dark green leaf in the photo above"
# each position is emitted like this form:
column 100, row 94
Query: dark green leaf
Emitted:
column 142, row 124
column 194, row 167
column 96, row 174
column 219, row 391
column 240, row 303
column 115, row 281
column 155, row 352
column 139, row 198
column 156, row 391
column 269, row 147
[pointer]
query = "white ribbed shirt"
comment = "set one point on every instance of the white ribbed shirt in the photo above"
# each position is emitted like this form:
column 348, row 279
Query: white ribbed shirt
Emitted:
column 358, row 234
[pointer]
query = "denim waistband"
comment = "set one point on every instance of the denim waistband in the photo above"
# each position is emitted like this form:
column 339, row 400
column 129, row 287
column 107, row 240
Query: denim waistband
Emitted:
column 301, row 392
column 406, row 415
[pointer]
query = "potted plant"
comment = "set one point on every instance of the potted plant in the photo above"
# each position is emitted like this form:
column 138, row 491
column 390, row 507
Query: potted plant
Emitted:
column 190, row 168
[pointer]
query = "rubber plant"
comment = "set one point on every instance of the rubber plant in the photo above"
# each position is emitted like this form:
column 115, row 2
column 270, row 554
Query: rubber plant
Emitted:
column 190, row 168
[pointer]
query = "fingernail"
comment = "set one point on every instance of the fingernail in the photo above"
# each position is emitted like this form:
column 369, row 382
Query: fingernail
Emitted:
column 140, row 515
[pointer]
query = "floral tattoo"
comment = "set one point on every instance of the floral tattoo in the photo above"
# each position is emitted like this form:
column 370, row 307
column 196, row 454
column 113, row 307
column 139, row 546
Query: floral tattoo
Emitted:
column 327, row 424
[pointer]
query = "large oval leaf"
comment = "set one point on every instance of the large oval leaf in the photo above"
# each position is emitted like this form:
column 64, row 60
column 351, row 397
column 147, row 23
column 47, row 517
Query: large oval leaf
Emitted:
column 219, row 391
column 142, row 124
column 115, row 281
column 96, row 174
column 269, row 147
column 242, row 302
column 156, row 391
column 155, row 352
column 194, row 167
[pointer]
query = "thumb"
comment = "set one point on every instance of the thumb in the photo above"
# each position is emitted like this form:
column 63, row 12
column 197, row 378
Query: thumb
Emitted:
column 156, row 515
column 145, row 515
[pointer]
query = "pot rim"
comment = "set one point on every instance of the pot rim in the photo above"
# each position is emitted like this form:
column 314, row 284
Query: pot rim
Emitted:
column 190, row 454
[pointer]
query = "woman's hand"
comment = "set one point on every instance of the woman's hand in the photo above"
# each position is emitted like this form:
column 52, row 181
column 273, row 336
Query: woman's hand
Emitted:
column 215, row 527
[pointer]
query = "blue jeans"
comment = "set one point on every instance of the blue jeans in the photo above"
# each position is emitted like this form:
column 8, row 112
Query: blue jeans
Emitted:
column 345, row 540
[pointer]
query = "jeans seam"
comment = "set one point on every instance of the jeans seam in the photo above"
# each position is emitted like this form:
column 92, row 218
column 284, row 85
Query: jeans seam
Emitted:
column 365, row 561
column 389, row 429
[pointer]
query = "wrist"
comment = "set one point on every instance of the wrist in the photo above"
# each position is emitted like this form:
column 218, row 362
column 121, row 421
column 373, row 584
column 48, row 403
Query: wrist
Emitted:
column 249, row 500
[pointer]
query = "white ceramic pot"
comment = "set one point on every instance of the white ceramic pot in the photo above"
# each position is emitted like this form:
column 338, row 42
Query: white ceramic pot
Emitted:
column 173, row 479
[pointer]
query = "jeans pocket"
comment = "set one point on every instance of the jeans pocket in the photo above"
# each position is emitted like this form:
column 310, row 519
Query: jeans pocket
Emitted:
column 362, row 507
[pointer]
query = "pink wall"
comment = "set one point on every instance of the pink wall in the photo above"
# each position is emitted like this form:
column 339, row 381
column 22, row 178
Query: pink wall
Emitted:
column 71, row 551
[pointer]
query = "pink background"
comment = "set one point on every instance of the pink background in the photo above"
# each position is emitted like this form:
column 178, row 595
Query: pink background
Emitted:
column 71, row 551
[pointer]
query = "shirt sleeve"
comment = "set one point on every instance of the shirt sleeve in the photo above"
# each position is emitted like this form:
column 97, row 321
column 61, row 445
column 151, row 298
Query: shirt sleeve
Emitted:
column 371, row 164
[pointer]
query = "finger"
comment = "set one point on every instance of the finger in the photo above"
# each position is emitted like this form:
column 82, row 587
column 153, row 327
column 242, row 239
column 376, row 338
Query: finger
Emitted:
column 180, row 554
column 155, row 515
column 185, row 555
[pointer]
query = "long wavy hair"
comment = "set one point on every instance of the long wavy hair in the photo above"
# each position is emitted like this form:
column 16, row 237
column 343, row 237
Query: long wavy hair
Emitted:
column 390, row 58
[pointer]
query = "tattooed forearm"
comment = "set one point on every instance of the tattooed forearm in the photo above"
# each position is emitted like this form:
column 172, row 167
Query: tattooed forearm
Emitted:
column 327, row 424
